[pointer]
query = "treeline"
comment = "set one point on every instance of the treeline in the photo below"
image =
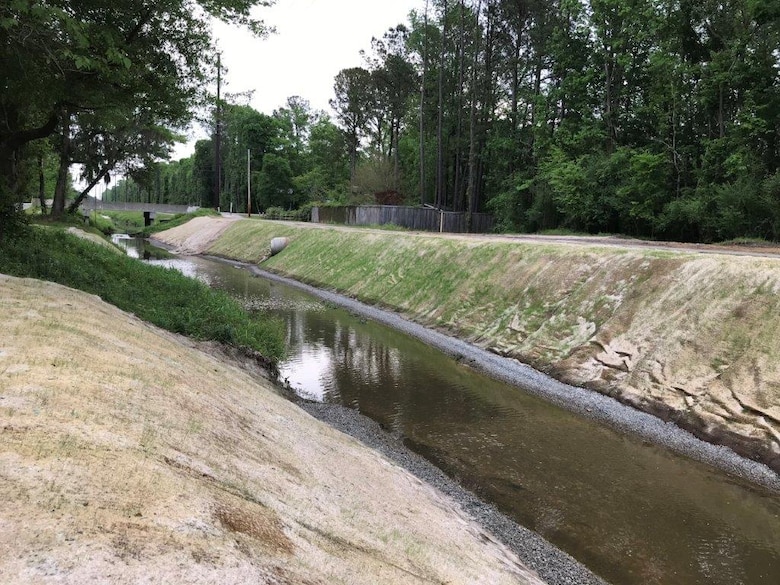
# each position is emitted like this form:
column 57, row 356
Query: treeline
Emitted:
column 293, row 156
column 652, row 118
column 100, row 85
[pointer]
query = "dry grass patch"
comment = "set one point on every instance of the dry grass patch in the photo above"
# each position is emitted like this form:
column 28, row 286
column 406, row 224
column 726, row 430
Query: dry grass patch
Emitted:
column 129, row 455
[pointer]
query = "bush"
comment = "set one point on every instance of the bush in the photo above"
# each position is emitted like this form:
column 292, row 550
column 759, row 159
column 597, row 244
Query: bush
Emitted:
column 102, row 223
column 302, row 214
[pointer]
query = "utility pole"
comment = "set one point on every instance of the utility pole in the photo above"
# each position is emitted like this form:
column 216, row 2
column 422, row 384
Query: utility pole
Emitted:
column 218, row 137
column 248, row 183
column 422, row 108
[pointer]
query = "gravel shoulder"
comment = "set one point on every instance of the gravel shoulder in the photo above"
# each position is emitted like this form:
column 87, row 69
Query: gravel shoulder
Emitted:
column 767, row 250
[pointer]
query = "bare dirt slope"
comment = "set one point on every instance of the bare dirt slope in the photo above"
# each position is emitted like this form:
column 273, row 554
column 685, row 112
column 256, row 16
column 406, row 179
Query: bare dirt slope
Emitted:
column 129, row 456
column 199, row 233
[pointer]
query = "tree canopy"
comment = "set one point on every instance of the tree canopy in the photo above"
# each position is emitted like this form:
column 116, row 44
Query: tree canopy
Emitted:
column 656, row 118
column 651, row 118
column 295, row 155
column 111, row 79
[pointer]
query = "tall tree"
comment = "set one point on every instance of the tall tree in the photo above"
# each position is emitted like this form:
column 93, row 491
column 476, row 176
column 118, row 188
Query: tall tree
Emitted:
column 354, row 104
column 62, row 59
column 395, row 81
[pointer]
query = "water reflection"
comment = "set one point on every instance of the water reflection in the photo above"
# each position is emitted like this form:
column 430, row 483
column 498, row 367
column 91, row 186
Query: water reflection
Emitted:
column 633, row 513
column 130, row 244
column 136, row 247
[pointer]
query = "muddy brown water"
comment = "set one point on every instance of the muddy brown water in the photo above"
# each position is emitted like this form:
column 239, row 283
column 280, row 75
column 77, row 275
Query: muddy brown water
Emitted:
column 632, row 512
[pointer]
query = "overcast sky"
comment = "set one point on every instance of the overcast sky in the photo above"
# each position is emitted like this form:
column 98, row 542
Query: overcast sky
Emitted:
column 314, row 40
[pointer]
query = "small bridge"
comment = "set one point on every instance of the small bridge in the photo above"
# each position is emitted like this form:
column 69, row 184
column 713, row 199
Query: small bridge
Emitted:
column 90, row 204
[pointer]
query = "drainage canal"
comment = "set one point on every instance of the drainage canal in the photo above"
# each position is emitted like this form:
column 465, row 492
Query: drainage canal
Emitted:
column 632, row 512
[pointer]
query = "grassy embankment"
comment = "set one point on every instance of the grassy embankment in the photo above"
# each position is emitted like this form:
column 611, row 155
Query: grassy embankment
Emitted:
column 695, row 339
column 161, row 296
column 128, row 456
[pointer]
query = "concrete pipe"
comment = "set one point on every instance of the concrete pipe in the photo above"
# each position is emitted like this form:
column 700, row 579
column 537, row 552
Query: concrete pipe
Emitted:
column 278, row 244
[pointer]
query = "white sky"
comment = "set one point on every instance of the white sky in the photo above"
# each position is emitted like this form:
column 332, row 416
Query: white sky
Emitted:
column 314, row 40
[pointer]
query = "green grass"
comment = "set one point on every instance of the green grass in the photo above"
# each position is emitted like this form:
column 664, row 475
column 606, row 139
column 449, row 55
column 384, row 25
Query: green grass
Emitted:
column 390, row 227
column 67, row 220
column 757, row 242
column 99, row 222
column 117, row 222
column 471, row 288
column 132, row 222
column 159, row 295
column 562, row 232
column 104, row 224
column 288, row 215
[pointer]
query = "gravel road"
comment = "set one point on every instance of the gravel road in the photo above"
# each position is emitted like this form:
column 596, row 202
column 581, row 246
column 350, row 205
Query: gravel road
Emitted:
column 758, row 249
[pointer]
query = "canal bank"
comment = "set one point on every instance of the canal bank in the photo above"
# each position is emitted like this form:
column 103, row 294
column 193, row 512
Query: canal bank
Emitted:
column 692, row 339
column 130, row 455
column 583, row 402
column 629, row 510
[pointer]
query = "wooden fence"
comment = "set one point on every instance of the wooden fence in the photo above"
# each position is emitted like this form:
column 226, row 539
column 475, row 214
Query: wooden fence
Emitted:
column 414, row 218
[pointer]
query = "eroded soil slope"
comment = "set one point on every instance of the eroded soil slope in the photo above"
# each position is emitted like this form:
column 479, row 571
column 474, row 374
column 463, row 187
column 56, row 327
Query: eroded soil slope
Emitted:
column 128, row 456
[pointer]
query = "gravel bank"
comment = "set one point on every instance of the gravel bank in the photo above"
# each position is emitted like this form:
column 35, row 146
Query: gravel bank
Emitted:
column 554, row 566
column 584, row 402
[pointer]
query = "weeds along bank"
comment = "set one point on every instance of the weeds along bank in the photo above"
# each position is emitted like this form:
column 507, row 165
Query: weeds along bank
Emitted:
column 693, row 338
column 164, row 297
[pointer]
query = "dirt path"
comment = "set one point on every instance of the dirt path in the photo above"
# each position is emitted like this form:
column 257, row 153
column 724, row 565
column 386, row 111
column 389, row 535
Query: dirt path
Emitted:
column 199, row 233
column 762, row 251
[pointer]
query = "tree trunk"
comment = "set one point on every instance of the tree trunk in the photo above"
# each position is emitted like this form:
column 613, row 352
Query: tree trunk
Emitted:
column 75, row 205
column 487, row 111
column 457, row 198
column 11, row 141
column 41, row 185
column 7, row 190
column 515, row 96
column 218, row 140
column 608, row 106
column 471, row 191
column 422, row 107
column 396, row 132
column 353, row 146
column 61, row 189
column 535, row 102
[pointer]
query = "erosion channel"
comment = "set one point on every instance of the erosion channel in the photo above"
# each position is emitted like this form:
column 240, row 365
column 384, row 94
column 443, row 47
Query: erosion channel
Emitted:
column 632, row 512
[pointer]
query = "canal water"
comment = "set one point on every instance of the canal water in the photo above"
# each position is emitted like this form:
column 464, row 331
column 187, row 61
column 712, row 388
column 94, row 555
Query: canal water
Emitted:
column 633, row 513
